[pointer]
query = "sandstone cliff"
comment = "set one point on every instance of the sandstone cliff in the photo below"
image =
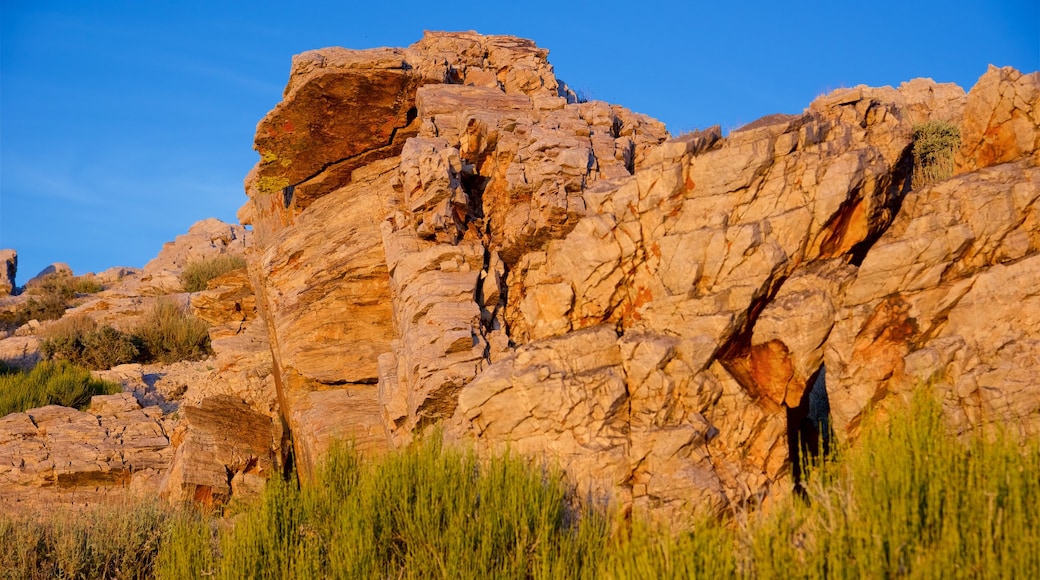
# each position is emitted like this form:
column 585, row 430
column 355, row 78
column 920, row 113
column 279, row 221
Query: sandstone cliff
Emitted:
column 445, row 236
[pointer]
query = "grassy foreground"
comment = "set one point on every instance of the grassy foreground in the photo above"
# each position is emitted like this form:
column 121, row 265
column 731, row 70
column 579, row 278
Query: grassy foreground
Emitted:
column 907, row 501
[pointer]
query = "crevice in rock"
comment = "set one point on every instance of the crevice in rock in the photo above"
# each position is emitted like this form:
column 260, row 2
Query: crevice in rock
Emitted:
column 897, row 190
column 808, row 429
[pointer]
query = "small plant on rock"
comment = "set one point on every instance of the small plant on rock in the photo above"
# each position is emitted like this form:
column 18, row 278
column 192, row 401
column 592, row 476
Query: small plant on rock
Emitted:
column 49, row 296
column 935, row 143
column 197, row 275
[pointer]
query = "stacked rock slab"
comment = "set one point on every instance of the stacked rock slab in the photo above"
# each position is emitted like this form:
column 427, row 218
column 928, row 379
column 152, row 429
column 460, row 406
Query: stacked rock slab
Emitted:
column 444, row 236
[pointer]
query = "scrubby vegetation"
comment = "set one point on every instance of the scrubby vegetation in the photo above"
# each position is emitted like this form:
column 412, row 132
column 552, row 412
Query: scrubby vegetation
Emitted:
column 103, row 542
column 49, row 383
column 170, row 334
column 167, row 334
column 907, row 501
column 48, row 298
column 935, row 144
column 80, row 340
column 197, row 275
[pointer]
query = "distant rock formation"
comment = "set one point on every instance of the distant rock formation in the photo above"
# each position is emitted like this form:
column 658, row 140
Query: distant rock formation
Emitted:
column 201, row 430
column 8, row 271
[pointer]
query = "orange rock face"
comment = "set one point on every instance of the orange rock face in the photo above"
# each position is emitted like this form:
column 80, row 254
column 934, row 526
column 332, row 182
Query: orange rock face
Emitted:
column 445, row 236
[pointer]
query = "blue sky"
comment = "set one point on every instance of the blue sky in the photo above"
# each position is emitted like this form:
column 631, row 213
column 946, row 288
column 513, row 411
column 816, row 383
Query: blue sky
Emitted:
column 122, row 123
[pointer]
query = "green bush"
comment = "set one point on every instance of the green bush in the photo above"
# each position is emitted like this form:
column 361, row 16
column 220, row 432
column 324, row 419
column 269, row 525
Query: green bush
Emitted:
column 197, row 275
column 50, row 383
column 167, row 334
column 428, row 512
column 78, row 339
column 935, row 144
column 909, row 500
column 170, row 334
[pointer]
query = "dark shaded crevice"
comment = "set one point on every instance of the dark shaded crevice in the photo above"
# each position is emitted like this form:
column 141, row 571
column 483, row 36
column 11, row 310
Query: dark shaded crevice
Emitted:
column 363, row 382
column 898, row 189
column 808, row 430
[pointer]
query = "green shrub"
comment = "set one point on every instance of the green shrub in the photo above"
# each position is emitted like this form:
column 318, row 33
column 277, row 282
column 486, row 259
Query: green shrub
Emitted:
column 935, row 144
column 50, row 383
column 167, row 334
column 170, row 334
column 101, row 542
column 428, row 512
column 80, row 340
column 197, row 275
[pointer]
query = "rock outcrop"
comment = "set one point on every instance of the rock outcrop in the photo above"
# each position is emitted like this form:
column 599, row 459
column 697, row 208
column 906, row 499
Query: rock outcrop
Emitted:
column 465, row 145
column 8, row 271
column 206, row 239
column 463, row 243
column 218, row 418
column 443, row 235
column 54, row 454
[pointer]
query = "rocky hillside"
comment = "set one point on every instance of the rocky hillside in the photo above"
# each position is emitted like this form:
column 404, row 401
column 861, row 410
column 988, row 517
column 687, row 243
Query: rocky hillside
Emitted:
column 443, row 236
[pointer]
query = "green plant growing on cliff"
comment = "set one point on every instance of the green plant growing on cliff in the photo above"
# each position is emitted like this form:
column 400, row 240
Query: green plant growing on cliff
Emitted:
column 196, row 275
column 935, row 144
column 50, row 383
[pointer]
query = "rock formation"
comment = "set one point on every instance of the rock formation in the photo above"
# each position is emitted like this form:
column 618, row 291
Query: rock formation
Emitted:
column 442, row 235
column 8, row 270
column 445, row 236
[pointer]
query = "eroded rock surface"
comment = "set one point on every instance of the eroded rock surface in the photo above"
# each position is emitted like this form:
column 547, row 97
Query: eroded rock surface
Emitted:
column 53, row 453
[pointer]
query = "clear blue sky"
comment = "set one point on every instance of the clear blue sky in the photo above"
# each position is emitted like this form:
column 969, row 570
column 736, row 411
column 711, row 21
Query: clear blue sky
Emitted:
column 122, row 123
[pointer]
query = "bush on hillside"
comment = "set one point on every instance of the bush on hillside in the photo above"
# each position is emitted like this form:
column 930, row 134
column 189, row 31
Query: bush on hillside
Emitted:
column 167, row 334
column 78, row 339
column 935, row 144
column 197, row 275
column 170, row 334
column 909, row 500
column 50, row 383
column 64, row 284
